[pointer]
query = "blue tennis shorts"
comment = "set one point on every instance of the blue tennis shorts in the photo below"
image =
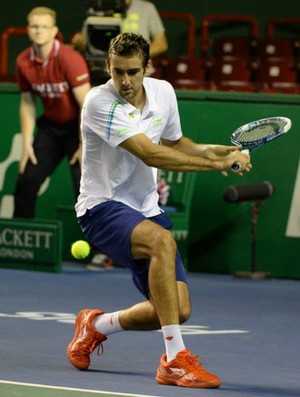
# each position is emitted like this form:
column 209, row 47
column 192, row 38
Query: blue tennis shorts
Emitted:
column 108, row 227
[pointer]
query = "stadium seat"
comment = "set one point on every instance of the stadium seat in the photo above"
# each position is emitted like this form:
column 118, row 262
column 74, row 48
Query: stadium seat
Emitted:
column 278, row 76
column 282, row 27
column 232, row 75
column 234, row 47
column 285, row 29
column 188, row 21
column 228, row 45
column 159, row 66
column 276, row 49
column 228, row 36
column 186, row 73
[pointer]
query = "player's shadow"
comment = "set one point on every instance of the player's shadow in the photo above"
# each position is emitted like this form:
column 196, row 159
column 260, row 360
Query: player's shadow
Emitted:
column 124, row 373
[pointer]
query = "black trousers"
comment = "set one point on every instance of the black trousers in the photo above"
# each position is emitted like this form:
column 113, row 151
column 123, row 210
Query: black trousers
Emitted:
column 52, row 143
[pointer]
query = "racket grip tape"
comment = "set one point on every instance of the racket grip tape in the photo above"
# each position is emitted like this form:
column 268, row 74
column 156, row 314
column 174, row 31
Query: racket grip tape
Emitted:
column 237, row 165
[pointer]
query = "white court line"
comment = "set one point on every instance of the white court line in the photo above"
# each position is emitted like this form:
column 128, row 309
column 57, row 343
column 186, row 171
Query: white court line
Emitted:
column 74, row 389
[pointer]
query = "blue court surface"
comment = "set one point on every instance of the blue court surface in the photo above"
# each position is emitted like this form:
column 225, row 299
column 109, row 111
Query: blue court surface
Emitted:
column 245, row 331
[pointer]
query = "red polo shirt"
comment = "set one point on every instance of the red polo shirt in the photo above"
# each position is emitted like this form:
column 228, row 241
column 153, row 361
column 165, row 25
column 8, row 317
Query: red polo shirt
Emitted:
column 53, row 80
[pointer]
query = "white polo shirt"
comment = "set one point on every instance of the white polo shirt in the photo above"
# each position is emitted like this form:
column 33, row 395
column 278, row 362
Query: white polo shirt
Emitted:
column 110, row 172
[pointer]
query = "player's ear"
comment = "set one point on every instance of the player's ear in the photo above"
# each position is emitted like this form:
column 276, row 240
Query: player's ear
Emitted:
column 148, row 67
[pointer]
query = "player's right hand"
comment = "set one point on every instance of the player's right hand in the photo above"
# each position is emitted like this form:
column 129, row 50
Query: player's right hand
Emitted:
column 237, row 156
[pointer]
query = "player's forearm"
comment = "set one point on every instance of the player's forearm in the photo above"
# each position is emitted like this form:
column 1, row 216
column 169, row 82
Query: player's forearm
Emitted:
column 27, row 121
column 158, row 46
column 174, row 160
column 187, row 146
column 167, row 157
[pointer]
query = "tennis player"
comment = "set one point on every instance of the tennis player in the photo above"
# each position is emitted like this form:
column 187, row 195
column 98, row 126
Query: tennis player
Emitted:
column 131, row 128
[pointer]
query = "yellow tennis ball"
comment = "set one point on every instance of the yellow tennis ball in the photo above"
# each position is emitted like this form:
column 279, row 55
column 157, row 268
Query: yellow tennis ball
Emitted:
column 80, row 249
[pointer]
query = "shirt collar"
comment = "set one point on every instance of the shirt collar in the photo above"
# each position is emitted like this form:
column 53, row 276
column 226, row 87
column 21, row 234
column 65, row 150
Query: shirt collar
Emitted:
column 150, row 104
column 53, row 53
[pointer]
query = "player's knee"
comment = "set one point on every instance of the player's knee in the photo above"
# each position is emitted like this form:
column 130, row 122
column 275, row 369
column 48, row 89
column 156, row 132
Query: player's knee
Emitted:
column 162, row 241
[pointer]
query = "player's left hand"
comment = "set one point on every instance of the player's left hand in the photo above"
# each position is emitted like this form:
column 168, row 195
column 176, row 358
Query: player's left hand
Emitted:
column 215, row 152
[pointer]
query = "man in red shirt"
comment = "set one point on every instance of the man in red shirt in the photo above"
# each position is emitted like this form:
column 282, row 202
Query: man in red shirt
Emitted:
column 59, row 76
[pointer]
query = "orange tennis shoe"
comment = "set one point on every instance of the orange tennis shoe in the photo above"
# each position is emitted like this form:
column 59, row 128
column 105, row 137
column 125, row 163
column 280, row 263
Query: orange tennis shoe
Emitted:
column 85, row 340
column 185, row 371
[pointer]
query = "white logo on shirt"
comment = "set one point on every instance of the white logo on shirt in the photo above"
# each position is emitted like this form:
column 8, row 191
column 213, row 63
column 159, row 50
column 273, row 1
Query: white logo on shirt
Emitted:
column 124, row 131
column 157, row 122
column 51, row 90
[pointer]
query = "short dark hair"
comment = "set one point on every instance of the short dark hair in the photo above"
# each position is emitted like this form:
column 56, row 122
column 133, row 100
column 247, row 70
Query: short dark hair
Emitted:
column 129, row 44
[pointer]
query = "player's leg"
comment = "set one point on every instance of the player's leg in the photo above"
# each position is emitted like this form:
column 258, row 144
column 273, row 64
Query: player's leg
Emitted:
column 170, row 300
column 93, row 326
column 143, row 316
column 143, row 247
column 49, row 155
column 114, row 237
column 153, row 242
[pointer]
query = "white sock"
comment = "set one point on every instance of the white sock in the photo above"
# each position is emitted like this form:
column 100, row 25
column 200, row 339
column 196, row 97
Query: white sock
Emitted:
column 108, row 323
column 173, row 340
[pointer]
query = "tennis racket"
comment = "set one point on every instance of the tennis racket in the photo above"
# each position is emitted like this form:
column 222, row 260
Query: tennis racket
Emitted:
column 253, row 135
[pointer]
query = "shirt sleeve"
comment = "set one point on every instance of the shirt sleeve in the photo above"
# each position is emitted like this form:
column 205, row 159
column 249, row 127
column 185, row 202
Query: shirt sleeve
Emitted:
column 23, row 83
column 173, row 130
column 75, row 68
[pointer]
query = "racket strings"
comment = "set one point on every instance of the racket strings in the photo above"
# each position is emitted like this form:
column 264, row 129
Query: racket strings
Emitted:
column 259, row 132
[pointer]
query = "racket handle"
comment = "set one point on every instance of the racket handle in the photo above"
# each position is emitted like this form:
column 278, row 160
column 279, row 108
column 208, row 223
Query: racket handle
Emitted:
column 237, row 165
